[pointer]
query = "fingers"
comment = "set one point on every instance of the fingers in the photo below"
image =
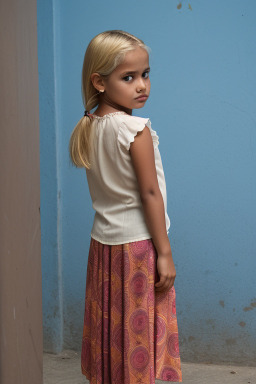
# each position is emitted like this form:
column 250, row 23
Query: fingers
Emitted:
column 165, row 283
column 162, row 284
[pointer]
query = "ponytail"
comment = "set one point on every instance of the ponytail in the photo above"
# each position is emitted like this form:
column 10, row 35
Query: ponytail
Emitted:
column 80, row 140
column 79, row 144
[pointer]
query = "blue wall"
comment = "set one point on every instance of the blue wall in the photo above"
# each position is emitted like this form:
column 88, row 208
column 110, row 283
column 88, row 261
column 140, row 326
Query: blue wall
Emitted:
column 202, row 105
column 50, row 177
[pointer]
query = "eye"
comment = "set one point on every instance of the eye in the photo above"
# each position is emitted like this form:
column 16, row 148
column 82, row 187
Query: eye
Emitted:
column 146, row 74
column 126, row 78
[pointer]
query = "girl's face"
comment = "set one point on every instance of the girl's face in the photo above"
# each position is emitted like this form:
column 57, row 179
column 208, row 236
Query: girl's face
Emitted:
column 129, row 81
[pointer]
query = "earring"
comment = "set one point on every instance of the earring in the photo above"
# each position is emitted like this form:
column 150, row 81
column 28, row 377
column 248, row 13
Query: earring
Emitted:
column 100, row 91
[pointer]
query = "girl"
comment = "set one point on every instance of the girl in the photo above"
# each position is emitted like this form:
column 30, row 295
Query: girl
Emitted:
column 130, row 332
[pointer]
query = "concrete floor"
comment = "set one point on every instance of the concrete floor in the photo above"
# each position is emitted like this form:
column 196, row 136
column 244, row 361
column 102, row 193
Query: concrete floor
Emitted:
column 65, row 369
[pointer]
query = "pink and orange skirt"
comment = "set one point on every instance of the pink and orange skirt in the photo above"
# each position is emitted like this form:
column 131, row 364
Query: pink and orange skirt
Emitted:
column 130, row 332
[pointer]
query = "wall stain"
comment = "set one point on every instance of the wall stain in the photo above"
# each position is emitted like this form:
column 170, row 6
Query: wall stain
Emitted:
column 246, row 309
column 221, row 302
column 252, row 306
column 191, row 338
column 242, row 324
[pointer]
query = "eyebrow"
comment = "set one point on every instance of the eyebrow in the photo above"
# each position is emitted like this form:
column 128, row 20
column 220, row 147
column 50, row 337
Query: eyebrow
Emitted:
column 133, row 72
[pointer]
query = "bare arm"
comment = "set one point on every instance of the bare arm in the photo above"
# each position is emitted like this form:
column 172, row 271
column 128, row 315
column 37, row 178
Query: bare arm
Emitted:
column 142, row 154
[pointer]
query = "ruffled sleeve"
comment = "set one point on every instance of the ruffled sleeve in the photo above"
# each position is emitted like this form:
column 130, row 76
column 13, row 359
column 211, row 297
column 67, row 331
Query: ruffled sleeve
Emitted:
column 129, row 128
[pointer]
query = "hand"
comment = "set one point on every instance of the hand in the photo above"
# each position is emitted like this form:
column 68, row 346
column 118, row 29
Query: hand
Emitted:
column 166, row 271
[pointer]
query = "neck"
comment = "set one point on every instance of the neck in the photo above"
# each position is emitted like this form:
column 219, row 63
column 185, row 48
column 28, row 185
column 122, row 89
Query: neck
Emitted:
column 108, row 106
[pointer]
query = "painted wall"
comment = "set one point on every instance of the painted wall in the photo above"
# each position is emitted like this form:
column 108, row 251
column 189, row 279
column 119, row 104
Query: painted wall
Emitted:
column 202, row 105
column 21, row 328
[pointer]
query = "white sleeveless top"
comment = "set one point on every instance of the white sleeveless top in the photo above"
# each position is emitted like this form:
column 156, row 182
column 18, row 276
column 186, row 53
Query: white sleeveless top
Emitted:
column 112, row 181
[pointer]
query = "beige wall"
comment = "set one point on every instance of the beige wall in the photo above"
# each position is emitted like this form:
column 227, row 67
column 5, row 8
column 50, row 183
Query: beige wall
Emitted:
column 20, row 259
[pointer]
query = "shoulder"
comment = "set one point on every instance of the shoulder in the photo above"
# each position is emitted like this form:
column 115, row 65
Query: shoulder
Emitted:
column 129, row 126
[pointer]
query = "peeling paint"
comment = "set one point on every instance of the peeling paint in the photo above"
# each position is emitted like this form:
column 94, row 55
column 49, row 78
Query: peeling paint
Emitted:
column 222, row 304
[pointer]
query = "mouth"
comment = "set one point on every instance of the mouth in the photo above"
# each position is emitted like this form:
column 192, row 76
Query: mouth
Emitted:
column 142, row 97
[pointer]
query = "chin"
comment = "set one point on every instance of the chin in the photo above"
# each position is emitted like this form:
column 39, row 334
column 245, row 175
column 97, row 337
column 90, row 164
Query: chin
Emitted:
column 139, row 106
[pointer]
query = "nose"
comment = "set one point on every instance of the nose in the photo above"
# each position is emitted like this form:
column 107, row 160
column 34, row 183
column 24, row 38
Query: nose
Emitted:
column 141, row 85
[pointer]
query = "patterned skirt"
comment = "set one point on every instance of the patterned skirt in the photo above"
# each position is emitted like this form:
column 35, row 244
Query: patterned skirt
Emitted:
column 130, row 332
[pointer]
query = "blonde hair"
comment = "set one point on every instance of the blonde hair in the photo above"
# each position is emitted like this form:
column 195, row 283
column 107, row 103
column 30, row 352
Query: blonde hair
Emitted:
column 103, row 54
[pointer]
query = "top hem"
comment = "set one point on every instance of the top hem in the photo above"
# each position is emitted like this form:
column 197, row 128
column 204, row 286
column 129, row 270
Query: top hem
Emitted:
column 145, row 237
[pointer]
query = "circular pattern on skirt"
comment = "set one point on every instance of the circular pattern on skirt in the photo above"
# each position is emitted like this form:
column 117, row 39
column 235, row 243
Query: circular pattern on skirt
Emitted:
column 138, row 320
column 169, row 374
column 139, row 249
column 160, row 328
column 173, row 345
column 139, row 358
column 138, row 284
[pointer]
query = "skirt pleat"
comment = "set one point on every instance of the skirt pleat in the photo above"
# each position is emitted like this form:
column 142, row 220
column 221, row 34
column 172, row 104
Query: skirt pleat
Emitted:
column 130, row 332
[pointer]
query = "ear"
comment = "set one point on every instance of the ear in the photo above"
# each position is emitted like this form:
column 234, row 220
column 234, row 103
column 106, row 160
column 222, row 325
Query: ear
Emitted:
column 97, row 81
